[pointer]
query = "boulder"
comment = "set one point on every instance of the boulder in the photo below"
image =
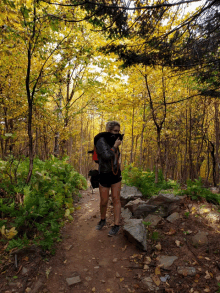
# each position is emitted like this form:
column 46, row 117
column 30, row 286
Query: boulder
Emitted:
column 200, row 239
column 144, row 209
column 173, row 217
column 164, row 198
column 166, row 260
column 136, row 232
column 153, row 219
column 133, row 204
column 126, row 214
column 186, row 271
column 129, row 193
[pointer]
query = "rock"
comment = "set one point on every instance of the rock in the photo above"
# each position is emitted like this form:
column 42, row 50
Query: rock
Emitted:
column 204, row 210
column 136, row 232
column 97, row 267
column 200, row 239
column 166, row 261
column 173, row 217
column 153, row 219
column 165, row 278
column 117, row 275
column 12, row 284
column 37, row 287
column 164, row 198
column 144, row 209
column 88, row 279
column 24, row 271
column 213, row 217
column 149, row 283
column 186, row 271
column 126, row 214
column 129, row 193
column 73, row 280
column 132, row 205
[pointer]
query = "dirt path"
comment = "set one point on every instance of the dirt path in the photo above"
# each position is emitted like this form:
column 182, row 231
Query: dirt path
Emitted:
column 101, row 262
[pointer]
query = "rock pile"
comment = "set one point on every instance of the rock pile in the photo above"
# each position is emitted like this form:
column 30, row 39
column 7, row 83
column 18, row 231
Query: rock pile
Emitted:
column 135, row 210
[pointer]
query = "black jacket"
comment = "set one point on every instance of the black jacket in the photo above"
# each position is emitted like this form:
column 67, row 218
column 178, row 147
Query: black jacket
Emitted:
column 106, row 156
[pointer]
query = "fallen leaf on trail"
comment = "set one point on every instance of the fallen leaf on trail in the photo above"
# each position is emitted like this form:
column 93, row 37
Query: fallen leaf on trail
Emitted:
column 171, row 232
column 146, row 267
column 157, row 271
column 65, row 261
column 147, row 260
column 211, row 275
column 121, row 279
column 200, row 256
column 177, row 243
column 93, row 289
column 156, row 280
column 48, row 272
column 25, row 258
column 124, row 248
column 207, row 289
column 169, row 290
column 189, row 232
column 207, row 276
column 207, row 258
column 158, row 246
column 108, row 290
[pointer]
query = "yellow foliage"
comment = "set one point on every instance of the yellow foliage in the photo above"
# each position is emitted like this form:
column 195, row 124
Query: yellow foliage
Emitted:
column 9, row 234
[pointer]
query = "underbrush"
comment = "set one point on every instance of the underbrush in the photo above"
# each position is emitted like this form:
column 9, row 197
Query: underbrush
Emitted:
column 196, row 191
column 145, row 181
column 34, row 213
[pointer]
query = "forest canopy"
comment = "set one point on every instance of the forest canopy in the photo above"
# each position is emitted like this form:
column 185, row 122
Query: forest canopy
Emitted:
column 67, row 67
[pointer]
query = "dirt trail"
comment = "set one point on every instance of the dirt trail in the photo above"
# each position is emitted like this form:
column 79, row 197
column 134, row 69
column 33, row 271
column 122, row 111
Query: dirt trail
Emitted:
column 102, row 262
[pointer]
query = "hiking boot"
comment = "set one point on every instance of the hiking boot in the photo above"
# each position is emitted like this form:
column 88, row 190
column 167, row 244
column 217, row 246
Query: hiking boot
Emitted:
column 114, row 230
column 101, row 224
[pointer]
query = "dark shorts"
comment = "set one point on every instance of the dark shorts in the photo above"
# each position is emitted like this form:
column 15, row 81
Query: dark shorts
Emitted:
column 107, row 179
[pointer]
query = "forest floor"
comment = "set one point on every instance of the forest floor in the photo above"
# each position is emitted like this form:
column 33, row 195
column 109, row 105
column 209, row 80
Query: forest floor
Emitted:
column 98, row 263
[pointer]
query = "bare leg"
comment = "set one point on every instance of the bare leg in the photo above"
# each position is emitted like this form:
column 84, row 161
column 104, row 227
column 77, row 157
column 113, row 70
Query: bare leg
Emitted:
column 104, row 195
column 115, row 190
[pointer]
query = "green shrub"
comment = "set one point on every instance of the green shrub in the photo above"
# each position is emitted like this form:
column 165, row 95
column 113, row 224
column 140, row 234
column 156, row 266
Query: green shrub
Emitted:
column 145, row 181
column 196, row 191
column 43, row 203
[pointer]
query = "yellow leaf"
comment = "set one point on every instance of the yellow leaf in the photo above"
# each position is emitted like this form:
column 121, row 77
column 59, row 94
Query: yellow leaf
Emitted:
column 121, row 279
column 178, row 243
column 158, row 246
column 157, row 271
column 156, row 280
column 171, row 232
column 11, row 233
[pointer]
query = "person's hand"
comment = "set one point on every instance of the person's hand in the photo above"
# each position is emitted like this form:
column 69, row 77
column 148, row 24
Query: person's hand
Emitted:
column 117, row 143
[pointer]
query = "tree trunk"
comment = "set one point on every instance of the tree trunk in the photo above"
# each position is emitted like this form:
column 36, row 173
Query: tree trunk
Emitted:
column 217, row 141
column 132, row 136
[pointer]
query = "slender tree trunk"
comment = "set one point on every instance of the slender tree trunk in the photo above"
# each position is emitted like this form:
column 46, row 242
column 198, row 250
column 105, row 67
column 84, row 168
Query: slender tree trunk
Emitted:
column 217, row 140
column 132, row 136
column 142, row 136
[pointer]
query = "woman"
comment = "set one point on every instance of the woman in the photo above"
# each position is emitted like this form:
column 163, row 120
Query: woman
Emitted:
column 107, row 144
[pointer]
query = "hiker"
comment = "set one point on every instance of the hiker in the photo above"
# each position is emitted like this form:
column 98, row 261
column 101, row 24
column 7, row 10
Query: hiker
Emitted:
column 106, row 144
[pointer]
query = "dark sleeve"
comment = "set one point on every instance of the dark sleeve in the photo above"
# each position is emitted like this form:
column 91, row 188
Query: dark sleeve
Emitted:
column 103, row 149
